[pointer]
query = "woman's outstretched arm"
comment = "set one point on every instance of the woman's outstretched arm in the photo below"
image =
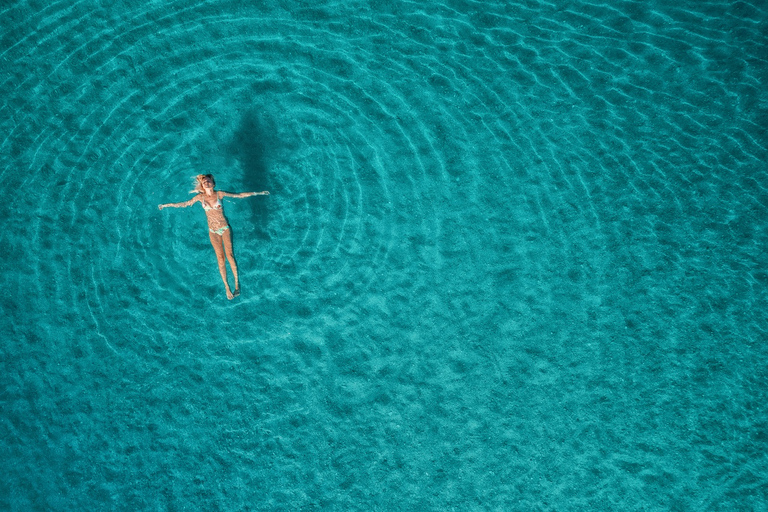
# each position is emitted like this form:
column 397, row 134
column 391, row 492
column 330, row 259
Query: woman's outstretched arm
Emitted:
column 244, row 194
column 183, row 204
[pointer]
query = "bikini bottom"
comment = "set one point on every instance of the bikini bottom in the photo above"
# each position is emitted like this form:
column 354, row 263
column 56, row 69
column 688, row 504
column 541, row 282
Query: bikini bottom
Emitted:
column 219, row 231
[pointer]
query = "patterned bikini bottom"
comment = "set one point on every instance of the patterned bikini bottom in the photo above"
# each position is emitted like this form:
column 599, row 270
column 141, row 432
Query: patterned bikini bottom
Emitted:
column 219, row 231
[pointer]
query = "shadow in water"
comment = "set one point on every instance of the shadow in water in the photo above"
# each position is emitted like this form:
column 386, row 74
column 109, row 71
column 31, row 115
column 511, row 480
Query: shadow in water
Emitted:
column 252, row 142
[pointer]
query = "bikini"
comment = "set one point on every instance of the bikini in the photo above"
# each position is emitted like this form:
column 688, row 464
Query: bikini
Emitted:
column 217, row 206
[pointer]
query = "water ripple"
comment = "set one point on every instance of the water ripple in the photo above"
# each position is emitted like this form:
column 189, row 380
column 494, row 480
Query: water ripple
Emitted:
column 470, row 181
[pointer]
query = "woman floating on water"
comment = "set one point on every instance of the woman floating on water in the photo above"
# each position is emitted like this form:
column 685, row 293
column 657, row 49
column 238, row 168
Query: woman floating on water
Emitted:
column 218, row 227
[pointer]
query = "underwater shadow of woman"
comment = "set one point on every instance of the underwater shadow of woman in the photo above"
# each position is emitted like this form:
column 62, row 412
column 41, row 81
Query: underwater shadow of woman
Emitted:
column 251, row 143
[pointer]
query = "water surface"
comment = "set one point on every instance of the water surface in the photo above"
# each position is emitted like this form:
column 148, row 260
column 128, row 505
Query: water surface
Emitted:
column 513, row 257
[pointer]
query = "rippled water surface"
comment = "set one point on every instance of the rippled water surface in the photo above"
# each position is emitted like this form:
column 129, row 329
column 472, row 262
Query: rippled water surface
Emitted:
column 514, row 255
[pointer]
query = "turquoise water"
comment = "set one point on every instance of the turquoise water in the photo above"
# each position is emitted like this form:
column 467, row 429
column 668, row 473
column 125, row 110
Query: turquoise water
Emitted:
column 514, row 256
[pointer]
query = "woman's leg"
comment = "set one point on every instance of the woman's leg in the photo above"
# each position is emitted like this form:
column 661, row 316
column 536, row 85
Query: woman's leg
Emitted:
column 227, row 238
column 216, row 243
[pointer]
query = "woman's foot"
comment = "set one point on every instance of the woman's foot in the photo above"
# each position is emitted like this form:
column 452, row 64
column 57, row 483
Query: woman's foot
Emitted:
column 237, row 292
column 229, row 294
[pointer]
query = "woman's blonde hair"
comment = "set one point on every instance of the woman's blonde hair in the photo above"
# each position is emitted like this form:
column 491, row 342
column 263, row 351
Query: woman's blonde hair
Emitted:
column 198, row 183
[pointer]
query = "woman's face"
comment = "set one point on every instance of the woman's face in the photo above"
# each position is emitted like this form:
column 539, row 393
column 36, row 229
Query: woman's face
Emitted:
column 206, row 182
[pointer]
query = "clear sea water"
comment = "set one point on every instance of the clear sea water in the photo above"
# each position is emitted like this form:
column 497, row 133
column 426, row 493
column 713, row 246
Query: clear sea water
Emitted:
column 513, row 259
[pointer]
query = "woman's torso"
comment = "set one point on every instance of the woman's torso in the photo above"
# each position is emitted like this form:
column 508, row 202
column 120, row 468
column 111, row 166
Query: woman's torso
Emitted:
column 214, row 210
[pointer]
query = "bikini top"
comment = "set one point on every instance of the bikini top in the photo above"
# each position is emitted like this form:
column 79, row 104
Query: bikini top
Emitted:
column 216, row 205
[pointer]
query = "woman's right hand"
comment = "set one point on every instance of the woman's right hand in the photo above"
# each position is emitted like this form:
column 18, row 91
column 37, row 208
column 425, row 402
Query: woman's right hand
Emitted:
column 160, row 206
